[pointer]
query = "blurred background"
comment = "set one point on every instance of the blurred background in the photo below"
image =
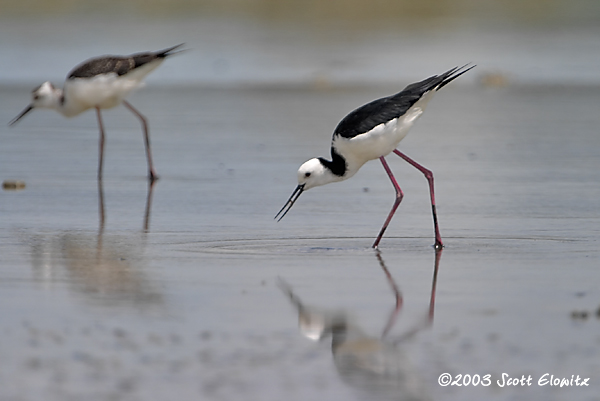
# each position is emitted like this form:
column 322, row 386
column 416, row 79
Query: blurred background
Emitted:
column 309, row 42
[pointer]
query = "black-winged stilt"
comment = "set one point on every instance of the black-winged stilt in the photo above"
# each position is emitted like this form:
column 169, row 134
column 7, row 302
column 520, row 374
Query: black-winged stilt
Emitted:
column 371, row 132
column 101, row 83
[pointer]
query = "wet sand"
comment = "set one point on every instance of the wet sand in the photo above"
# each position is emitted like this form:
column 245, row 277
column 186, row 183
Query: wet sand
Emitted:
column 179, row 294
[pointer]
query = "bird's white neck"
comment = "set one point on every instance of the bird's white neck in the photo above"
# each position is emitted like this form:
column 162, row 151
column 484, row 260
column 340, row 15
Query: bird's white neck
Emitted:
column 340, row 168
column 65, row 106
column 54, row 98
column 327, row 175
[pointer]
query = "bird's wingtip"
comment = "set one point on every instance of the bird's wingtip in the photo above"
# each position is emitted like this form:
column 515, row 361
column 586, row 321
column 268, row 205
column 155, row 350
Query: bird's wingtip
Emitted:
column 171, row 50
column 454, row 73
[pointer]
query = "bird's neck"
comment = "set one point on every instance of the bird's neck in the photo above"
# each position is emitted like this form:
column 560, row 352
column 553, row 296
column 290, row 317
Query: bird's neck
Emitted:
column 337, row 165
column 65, row 106
column 56, row 101
column 340, row 167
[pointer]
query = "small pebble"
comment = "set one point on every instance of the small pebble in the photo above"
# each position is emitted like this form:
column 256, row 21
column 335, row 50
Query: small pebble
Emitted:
column 579, row 315
column 13, row 185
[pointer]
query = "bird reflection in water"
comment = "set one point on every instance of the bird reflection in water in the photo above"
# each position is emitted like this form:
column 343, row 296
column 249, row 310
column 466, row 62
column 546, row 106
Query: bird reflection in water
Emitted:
column 375, row 365
column 105, row 268
column 102, row 214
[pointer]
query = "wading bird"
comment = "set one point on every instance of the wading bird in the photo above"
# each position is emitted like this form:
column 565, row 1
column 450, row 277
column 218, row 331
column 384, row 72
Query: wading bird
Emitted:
column 101, row 83
column 371, row 132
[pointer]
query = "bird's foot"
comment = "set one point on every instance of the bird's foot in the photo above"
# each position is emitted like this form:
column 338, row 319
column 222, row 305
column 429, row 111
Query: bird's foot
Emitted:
column 152, row 177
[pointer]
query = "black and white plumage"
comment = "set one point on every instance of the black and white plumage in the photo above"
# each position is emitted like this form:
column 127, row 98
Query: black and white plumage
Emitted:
column 101, row 83
column 371, row 132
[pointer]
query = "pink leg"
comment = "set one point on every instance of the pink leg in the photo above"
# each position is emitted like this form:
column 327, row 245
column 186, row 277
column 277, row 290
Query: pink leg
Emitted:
column 151, row 173
column 101, row 145
column 399, row 196
column 429, row 175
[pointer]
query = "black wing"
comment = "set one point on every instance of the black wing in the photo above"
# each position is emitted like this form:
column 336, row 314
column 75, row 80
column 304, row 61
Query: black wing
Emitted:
column 119, row 65
column 379, row 111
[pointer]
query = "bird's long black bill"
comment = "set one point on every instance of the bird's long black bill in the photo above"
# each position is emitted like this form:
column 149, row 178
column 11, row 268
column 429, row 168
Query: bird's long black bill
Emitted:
column 295, row 195
column 20, row 116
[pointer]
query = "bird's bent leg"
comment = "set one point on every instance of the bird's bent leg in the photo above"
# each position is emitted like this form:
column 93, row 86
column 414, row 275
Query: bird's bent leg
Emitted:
column 101, row 144
column 429, row 176
column 151, row 173
column 399, row 196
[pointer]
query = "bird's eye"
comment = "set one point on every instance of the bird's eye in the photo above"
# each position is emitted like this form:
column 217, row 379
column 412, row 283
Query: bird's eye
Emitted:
column 36, row 97
column 307, row 174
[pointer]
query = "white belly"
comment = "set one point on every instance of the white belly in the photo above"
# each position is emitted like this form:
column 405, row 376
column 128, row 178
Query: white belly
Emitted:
column 104, row 91
column 382, row 139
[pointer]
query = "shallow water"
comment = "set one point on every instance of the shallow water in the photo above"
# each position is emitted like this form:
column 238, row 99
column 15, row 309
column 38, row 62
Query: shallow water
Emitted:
column 184, row 290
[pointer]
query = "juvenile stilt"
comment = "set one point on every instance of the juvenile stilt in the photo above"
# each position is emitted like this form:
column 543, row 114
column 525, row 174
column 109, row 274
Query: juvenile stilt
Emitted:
column 101, row 83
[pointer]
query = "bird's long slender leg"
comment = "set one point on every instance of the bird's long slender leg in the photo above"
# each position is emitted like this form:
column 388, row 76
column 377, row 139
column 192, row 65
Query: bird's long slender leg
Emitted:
column 399, row 196
column 101, row 145
column 151, row 173
column 429, row 176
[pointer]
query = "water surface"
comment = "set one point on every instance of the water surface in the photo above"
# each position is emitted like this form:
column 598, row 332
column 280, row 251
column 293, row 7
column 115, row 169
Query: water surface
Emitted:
column 178, row 291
